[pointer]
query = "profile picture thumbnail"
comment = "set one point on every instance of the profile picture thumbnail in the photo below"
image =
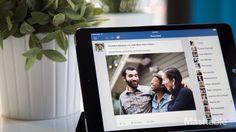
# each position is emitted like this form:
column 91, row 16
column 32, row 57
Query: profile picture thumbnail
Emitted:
column 99, row 46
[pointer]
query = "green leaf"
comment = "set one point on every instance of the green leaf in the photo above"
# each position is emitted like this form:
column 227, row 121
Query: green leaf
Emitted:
column 97, row 11
column 83, row 8
column 18, row 34
column 32, row 52
column 49, row 37
column 51, row 13
column 54, row 55
column 69, row 13
column 97, row 23
column 62, row 40
column 71, row 29
column 76, row 2
column 20, row 12
column 1, row 41
column 55, row 4
column 85, row 24
column 4, row 29
column 34, row 41
column 34, row 4
column 7, row 5
column 71, row 4
column 45, row 28
column 77, row 7
column 31, row 21
column 89, row 10
column 63, row 4
column 29, row 62
column 9, row 23
column 58, row 19
column 40, row 18
column 31, row 3
column 39, row 56
column 48, row 3
column 26, row 28
column 5, row 13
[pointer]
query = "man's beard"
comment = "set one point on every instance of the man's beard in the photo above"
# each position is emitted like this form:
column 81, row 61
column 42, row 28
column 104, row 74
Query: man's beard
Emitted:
column 133, row 84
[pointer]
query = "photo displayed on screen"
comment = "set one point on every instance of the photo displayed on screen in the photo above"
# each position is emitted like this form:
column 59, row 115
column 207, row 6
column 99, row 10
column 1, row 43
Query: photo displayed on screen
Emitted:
column 150, row 83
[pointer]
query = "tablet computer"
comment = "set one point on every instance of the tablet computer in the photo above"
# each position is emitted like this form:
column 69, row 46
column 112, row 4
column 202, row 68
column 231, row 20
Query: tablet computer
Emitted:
column 177, row 77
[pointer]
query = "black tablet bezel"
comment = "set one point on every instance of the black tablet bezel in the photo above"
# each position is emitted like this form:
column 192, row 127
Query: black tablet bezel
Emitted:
column 89, row 86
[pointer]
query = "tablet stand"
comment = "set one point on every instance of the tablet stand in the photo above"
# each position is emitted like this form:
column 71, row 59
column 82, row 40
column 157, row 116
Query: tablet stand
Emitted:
column 81, row 126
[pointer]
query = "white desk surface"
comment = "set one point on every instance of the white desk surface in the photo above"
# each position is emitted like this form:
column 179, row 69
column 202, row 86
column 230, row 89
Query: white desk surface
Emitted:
column 64, row 124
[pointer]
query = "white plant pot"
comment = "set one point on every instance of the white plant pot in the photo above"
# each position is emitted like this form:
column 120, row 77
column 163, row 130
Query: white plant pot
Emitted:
column 48, row 90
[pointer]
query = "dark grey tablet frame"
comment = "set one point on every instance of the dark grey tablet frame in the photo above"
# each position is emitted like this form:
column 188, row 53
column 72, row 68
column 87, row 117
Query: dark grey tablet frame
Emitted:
column 92, row 107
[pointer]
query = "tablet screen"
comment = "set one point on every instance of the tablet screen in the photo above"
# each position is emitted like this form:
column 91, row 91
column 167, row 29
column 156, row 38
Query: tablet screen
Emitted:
column 149, row 79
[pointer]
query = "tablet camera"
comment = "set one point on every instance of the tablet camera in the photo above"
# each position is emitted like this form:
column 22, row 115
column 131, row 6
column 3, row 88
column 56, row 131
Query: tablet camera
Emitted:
column 234, row 71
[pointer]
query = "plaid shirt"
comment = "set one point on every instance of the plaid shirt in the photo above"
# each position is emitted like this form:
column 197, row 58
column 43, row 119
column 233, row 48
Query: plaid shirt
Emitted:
column 137, row 102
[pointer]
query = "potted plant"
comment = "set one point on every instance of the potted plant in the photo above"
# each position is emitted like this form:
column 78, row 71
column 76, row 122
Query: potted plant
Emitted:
column 41, row 31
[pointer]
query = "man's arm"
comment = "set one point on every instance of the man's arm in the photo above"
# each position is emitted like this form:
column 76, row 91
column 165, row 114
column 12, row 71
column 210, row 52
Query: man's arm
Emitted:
column 122, row 110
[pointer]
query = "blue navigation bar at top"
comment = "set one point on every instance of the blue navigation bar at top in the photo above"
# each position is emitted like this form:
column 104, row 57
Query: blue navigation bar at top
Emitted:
column 152, row 34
